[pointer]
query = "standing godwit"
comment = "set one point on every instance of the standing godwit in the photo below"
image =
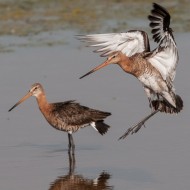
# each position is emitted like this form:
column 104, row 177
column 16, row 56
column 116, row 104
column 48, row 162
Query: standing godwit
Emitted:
column 154, row 69
column 67, row 116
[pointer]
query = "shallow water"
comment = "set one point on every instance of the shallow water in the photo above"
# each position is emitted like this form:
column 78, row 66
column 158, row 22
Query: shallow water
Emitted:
column 34, row 155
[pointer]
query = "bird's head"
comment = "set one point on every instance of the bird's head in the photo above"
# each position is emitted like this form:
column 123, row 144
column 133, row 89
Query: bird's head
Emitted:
column 35, row 90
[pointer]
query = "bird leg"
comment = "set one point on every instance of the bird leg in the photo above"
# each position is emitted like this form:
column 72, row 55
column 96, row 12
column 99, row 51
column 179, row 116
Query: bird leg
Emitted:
column 71, row 143
column 136, row 128
column 71, row 163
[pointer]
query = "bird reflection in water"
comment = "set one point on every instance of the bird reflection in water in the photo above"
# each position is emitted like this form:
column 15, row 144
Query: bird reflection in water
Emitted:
column 72, row 181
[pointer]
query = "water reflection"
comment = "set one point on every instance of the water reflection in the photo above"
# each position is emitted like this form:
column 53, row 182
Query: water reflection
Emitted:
column 79, row 182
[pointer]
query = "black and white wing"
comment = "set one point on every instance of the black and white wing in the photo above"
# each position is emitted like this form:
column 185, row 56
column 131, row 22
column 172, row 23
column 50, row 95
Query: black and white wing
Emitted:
column 165, row 57
column 129, row 43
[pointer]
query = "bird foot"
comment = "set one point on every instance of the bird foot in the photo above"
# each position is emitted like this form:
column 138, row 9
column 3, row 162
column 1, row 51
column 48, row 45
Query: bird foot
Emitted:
column 136, row 128
column 133, row 130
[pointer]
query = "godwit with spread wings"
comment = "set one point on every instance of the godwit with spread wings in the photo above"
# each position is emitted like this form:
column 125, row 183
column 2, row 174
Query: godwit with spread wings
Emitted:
column 155, row 69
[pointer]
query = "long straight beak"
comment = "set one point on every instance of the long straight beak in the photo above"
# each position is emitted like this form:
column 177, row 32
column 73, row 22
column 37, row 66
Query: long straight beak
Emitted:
column 22, row 100
column 107, row 62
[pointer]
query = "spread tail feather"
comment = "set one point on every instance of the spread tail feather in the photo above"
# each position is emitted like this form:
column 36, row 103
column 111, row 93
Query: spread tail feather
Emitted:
column 101, row 127
column 166, row 107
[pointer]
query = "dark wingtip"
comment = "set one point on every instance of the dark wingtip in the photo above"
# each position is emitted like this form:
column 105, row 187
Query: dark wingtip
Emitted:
column 156, row 5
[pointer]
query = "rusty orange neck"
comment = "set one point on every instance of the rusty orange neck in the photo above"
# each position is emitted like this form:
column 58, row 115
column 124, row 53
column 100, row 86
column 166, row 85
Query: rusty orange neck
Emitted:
column 133, row 65
column 126, row 64
column 42, row 102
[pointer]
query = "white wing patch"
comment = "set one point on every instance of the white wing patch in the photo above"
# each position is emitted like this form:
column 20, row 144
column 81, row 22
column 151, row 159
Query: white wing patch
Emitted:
column 128, row 43
column 165, row 59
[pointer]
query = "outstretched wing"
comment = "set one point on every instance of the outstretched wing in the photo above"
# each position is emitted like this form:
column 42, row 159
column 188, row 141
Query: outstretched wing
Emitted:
column 165, row 57
column 129, row 43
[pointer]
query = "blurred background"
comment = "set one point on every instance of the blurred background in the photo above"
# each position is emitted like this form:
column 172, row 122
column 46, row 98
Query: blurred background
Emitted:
column 31, row 17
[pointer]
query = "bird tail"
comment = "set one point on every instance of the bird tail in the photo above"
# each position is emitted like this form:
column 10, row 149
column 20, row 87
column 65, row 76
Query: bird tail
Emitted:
column 102, row 180
column 166, row 107
column 101, row 127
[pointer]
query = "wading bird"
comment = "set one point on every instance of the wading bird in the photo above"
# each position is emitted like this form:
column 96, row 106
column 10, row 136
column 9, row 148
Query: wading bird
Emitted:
column 155, row 69
column 67, row 116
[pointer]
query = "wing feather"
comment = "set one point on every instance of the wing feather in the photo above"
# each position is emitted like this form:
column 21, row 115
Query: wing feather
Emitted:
column 72, row 113
column 165, row 57
column 129, row 43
